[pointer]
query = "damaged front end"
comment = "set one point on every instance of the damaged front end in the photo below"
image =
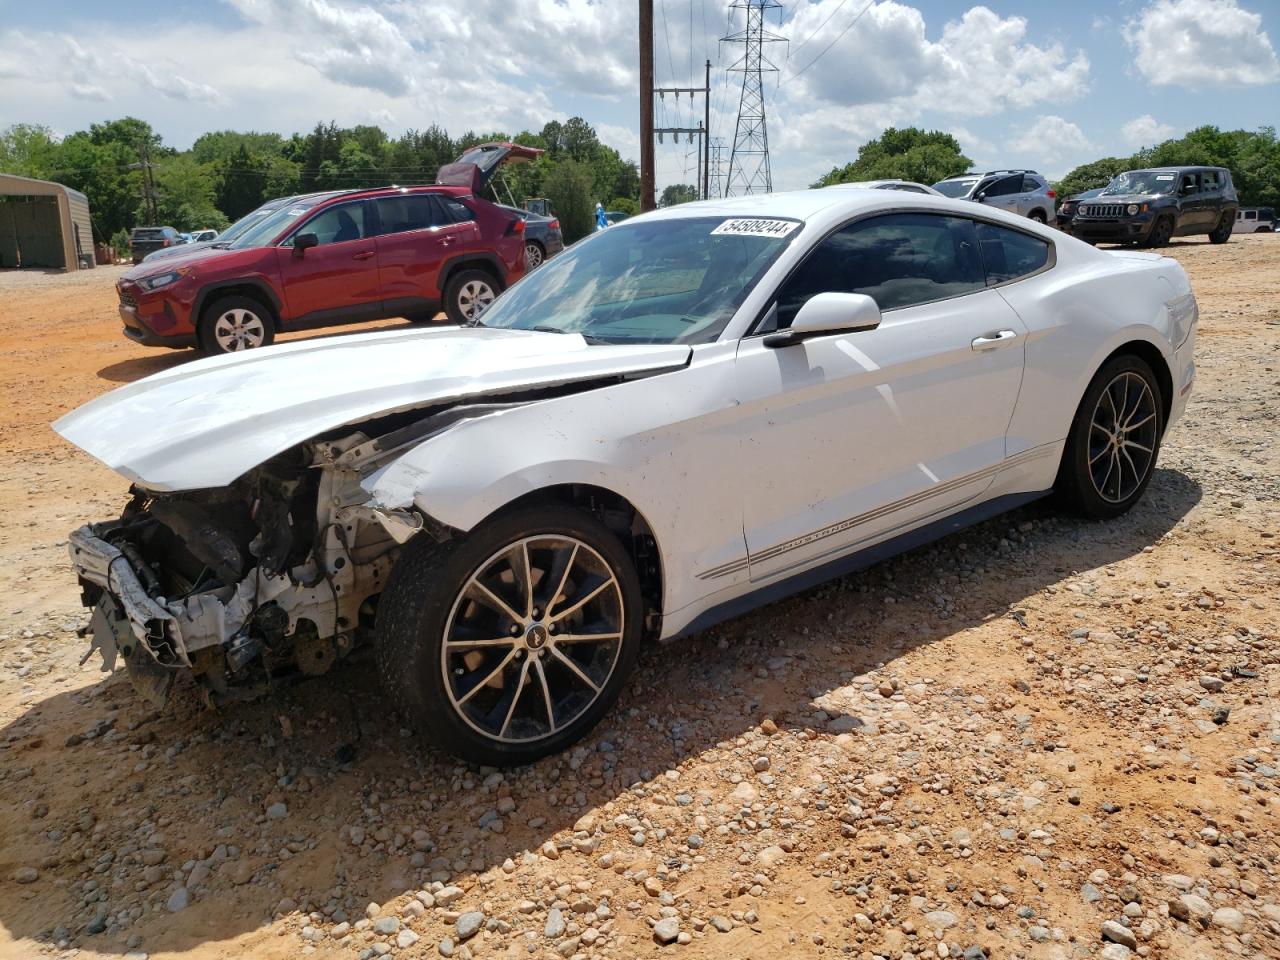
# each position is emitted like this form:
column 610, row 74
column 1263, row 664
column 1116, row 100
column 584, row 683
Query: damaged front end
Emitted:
column 276, row 574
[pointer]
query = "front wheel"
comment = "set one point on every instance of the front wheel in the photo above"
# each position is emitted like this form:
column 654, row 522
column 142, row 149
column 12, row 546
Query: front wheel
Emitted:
column 512, row 643
column 1111, row 451
column 1222, row 232
column 1161, row 233
column 468, row 294
column 232, row 324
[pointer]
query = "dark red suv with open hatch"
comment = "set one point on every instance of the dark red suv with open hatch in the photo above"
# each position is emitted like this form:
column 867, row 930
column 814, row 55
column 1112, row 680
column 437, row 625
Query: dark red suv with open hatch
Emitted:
column 335, row 258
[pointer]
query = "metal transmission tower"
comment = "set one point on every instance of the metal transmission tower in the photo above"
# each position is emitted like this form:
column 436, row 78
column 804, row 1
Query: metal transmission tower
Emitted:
column 716, row 168
column 749, row 170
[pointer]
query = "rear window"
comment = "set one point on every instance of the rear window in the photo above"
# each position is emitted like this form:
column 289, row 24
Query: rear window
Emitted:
column 148, row 233
column 1009, row 254
column 458, row 210
column 954, row 188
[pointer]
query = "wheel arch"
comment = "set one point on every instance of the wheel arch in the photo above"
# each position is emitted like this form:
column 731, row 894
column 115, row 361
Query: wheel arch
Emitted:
column 244, row 287
column 488, row 262
column 624, row 519
column 1149, row 353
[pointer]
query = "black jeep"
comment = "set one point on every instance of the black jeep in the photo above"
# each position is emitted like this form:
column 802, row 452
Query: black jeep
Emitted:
column 1147, row 207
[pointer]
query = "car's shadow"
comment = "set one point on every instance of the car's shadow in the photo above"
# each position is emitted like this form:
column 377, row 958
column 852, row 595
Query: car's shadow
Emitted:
column 334, row 752
column 135, row 368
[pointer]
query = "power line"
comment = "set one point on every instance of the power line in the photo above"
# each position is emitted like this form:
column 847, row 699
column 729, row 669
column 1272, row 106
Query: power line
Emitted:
column 796, row 49
column 828, row 47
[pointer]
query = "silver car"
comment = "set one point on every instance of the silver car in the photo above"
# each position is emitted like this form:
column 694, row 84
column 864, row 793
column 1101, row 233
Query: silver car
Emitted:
column 907, row 186
column 1023, row 192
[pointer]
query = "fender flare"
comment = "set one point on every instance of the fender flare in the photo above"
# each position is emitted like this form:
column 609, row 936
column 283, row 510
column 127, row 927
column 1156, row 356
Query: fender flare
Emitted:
column 258, row 285
column 461, row 260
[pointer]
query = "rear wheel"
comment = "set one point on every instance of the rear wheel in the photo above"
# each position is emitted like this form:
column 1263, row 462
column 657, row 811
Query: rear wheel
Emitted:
column 1111, row 451
column 468, row 294
column 533, row 255
column 232, row 324
column 1039, row 216
column 512, row 643
column 1222, row 232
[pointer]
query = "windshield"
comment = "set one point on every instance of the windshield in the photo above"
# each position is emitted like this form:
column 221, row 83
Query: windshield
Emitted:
column 659, row 281
column 266, row 229
column 1141, row 181
column 245, row 222
column 954, row 188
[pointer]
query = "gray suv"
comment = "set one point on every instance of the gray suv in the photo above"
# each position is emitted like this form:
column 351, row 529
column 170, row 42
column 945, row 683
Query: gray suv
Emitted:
column 1023, row 192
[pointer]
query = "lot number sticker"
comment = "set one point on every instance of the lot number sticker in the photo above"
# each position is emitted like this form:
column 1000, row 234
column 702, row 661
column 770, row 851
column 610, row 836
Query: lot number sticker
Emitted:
column 755, row 228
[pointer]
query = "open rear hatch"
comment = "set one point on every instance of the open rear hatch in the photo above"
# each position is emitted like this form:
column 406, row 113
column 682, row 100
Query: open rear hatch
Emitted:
column 477, row 165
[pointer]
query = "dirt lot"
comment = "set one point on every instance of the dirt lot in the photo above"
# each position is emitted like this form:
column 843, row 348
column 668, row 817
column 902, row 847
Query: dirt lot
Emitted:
column 1041, row 738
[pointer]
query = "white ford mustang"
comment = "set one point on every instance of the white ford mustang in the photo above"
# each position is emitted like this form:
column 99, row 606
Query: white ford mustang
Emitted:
column 682, row 417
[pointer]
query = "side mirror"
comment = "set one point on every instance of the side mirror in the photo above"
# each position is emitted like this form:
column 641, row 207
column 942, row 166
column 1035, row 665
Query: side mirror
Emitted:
column 980, row 196
column 304, row 242
column 826, row 314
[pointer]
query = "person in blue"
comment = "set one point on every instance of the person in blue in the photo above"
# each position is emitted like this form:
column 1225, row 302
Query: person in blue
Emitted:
column 601, row 220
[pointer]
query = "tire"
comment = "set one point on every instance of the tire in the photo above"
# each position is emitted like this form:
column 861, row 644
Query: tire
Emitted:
column 235, row 323
column 1222, row 232
column 534, row 255
column 449, row 695
column 1038, row 216
column 1161, row 233
column 1092, row 477
column 468, row 293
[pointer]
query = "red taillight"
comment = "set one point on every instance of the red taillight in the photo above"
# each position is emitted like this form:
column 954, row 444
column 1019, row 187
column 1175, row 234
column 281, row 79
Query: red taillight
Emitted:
column 515, row 226
column 165, row 244
column 553, row 225
column 1052, row 194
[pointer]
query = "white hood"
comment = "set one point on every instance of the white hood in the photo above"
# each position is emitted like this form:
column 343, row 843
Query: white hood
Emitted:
column 205, row 423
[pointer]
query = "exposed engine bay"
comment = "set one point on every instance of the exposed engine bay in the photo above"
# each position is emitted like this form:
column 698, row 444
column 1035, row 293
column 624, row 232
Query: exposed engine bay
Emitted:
column 276, row 574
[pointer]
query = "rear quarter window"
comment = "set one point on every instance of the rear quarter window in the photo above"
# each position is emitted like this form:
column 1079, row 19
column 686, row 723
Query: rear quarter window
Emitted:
column 1010, row 254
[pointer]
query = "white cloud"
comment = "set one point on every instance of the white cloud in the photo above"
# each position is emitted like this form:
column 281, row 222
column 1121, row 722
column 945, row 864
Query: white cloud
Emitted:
column 1145, row 131
column 1053, row 144
column 981, row 64
column 1197, row 43
column 86, row 71
column 1050, row 136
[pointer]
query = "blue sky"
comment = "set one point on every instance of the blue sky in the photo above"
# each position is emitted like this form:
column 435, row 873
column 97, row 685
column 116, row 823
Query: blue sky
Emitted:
column 1045, row 85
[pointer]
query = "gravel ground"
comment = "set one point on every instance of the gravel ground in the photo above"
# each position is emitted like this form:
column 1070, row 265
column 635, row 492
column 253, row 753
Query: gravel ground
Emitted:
column 1040, row 738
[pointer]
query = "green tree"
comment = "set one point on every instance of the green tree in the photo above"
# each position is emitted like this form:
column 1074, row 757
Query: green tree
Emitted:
column 224, row 144
column 185, row 192
column 625, row 205
column 1090, row 176
column 909, row 153
column 568, row 186
column 28, row 150
column 241, row 181
column 101, row 171
column 678, row 193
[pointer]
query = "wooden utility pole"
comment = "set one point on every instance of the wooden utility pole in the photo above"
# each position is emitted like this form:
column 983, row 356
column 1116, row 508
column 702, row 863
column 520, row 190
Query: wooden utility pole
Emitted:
column 647, row 201
column 706, row 136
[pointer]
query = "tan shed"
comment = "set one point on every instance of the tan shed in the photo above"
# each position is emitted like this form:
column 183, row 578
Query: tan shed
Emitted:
column 43, row 224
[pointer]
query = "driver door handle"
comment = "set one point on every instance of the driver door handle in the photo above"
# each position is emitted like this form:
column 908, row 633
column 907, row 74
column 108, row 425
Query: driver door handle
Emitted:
column 989, row 341
column 365, row 255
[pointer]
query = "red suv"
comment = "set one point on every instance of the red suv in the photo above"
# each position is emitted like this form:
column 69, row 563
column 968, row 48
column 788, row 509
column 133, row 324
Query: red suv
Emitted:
column 332, row 259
